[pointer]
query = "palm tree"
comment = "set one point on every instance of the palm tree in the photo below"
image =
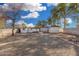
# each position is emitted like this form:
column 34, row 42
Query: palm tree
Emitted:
column 55, row 16
column 44, row 23
column 50, row 21
column 41, row 23
column 64, row 10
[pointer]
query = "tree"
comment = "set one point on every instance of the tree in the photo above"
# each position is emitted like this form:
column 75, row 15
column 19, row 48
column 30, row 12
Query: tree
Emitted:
column 24, row 26
column 50, row 21
column 64, row 10
column 55, row 16
column 39, row 25
column 42, row 23
column 11, row 12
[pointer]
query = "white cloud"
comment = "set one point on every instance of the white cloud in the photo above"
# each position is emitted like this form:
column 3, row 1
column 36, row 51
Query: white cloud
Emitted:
column 10, row 6
column 19, row 22
column 5, row 6
column 31, row 15
column 30, row 25
column 69, row 20
column 9, row 21
column 32, row 7
column 52, row 4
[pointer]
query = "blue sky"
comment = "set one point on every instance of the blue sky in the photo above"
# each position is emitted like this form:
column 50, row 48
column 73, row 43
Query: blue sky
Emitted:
column 42, row 15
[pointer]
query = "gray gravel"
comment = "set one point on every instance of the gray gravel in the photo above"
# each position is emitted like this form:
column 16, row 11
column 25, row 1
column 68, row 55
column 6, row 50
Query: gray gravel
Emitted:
column 39, row 44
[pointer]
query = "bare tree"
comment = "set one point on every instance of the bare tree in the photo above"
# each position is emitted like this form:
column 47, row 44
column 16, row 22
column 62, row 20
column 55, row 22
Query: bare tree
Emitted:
column 12, row 8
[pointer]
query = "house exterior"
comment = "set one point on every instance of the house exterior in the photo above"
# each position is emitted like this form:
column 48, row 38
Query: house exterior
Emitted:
column 2, row 23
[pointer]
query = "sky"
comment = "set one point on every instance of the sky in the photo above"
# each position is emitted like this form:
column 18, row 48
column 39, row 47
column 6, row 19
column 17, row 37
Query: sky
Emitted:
column 33, row 12
column 42, row 13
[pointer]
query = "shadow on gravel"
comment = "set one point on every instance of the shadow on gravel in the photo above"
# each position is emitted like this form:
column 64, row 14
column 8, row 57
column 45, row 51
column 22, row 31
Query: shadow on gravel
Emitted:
column 41, row 45
column 77, row 50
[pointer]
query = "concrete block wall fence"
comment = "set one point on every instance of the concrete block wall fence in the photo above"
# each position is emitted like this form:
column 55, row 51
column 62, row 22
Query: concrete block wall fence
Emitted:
column 5, row 32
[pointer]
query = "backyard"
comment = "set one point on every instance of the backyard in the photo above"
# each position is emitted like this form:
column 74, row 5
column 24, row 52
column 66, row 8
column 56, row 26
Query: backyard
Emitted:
column 40, row 44
column 40, row 29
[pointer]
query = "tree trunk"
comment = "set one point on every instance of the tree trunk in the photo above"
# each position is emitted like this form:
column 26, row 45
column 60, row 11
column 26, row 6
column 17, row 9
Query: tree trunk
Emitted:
column 64, row 23
column 39, row 29
column 13, row 27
